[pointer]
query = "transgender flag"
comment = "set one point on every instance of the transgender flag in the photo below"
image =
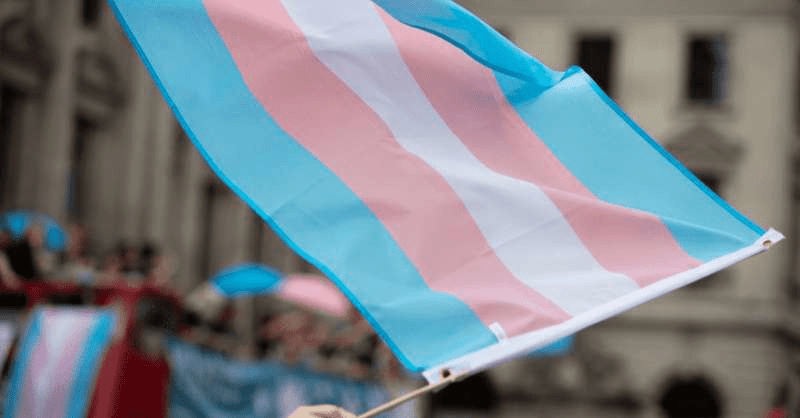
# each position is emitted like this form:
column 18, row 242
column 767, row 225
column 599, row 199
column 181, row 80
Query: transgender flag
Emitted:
column 473, row 203
column 59, row 356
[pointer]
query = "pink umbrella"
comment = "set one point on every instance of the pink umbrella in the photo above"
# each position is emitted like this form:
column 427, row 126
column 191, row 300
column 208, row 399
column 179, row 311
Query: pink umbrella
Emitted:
column 315, row 292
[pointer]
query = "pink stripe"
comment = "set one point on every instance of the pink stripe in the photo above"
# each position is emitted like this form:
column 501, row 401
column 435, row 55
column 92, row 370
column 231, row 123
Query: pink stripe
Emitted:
column 466, row 95
column 354, row 143
column 54, row 402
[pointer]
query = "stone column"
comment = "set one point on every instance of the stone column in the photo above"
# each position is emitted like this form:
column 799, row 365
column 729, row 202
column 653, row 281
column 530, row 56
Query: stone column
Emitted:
column 187, row 209
column 103, row 183
column 133, row 162
column 27, row 179
column 57, row 111
column 27, row 153
column 160, row 158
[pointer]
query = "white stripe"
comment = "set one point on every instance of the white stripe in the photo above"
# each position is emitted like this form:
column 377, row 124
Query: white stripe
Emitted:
column 522, row 225
column 49, row 387
column 523, row 344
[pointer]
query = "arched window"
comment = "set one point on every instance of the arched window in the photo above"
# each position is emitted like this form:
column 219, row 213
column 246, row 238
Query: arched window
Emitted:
column 693, row 397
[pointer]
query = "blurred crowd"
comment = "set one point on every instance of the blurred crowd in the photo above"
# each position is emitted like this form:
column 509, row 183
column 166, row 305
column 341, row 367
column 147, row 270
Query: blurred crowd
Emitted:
column 300, row 336
column 349, row 347
column 27, row 259
column 292, row 334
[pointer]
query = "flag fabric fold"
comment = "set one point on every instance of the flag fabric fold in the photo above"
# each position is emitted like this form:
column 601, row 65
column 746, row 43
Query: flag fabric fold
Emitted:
column 471, row 202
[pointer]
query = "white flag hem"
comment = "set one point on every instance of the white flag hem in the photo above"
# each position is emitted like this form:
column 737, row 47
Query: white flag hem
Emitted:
column 523, row 344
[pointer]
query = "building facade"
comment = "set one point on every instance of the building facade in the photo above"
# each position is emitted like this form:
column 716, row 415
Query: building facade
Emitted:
column 86, row 137
column 715, row 82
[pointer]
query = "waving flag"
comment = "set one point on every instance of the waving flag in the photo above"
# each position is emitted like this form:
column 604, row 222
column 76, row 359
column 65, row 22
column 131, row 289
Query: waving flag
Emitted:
column 59, row 356
column 473, row 203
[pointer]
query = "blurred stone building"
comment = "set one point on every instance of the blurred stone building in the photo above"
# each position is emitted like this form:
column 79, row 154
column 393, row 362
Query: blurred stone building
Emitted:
column 716, row 82
column 86, row 137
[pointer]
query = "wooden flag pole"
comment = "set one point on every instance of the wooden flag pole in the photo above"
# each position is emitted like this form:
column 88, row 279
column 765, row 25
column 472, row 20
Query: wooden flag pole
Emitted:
column 394, row 403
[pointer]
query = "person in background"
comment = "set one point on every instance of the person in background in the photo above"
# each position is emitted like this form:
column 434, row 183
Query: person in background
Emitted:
column 22, row 258
column 321, row 411
column 362, row 344
column 112, row 268
column 316, row 347
column 8, row 276
column 78, row 266
column 146, row 259
column 131, row 265
column 158, row 268
column 389, row 368
column 46, row 261
column 221, row 333
column 291, row 329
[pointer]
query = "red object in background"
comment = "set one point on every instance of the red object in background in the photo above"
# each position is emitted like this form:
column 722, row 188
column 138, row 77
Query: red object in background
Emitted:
column 131, row 382
column 777, row 413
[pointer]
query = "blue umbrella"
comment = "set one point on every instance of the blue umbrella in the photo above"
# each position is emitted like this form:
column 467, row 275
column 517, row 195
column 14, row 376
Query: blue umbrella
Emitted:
column 55, row 238
column 246, row 279
column 18, row 222
column 308, row 290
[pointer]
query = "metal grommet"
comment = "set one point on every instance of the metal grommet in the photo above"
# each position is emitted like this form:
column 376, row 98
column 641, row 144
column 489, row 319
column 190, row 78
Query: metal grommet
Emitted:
column 767, row 243
column 446, row 373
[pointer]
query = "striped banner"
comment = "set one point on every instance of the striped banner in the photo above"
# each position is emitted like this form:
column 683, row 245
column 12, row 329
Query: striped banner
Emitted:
column 473, row 203
column 59, row 356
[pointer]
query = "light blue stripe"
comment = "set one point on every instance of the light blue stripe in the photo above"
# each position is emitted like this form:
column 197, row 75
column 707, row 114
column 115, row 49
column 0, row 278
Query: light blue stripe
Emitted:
column 21, row 361
column 303, row 201
column 461, row 28
column 557, row 348
column 613, row 157
column 619, row 163
column 88, row 365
